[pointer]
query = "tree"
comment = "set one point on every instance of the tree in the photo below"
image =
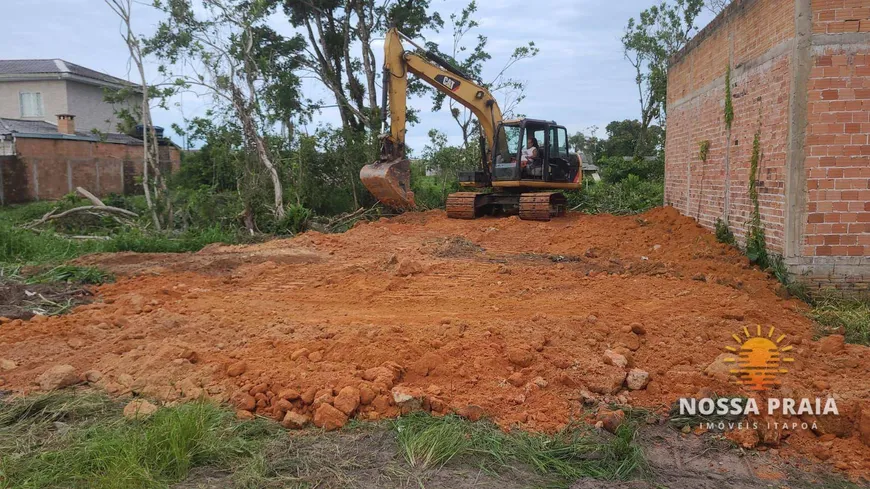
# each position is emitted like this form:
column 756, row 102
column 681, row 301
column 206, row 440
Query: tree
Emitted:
column 648, row 43
column 151, row 156
column 443, row 160
column 227, row 48
column 217, row 163
column 333, row 28
column 470, row 60
column 717, row 6
column 590, row 145
column 624, row 139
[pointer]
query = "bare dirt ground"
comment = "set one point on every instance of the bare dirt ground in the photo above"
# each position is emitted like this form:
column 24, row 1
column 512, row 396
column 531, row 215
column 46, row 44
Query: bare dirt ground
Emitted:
column 18, row 301
column 498, row 317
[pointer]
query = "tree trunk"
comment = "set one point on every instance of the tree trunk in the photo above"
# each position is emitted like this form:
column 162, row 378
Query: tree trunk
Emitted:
column 257, row 146
column 149, row 139
column 364, row 32
column 640, row 145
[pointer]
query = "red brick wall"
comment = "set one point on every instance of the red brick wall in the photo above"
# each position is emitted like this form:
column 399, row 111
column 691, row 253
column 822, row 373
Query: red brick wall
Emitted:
column 838, row 153
column 761, row 101
column 839, row 16
column 754, row 36
column 48, row 169
column 810, row 97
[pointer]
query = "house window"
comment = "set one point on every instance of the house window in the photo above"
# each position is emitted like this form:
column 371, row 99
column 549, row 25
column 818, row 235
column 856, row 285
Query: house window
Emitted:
column 31, row 104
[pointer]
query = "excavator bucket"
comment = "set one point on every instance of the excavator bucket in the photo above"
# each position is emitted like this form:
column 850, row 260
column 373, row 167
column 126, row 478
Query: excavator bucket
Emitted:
column 390, row 182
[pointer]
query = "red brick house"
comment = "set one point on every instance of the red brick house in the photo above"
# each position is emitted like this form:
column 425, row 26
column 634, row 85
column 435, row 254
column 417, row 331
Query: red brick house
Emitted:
column 42, row 161
column 800, row 78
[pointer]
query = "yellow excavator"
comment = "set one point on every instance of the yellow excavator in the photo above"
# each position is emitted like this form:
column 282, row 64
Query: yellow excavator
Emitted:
column 508, row 181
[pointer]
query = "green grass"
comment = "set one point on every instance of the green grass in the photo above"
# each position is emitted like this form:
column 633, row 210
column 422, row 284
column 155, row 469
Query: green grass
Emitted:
column 81, row 440
column 72, row 274
column 427, row 442
column 574, row 453
column 835, row 314
column 851, row 316
column 51, row 407
column 22, row 246
column 72, row 440
column 106, row 451
column 630, row 196
column 47, row 246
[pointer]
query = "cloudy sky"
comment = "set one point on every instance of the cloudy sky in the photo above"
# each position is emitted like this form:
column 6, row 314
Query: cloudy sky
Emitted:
column 579, row 79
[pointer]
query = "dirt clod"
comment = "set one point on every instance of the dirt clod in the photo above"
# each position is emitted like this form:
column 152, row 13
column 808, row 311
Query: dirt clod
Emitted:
column 636, row 379
column 610, row 420
column 366, row 395
column 315, row 356
column 471, row 412
column 289, row 394
column 407, row 399
column 237, row 368
column 302, row 352
column 833, row 343
column 606, row 379
column 408, row 267
column 245, row 402
column 294, row 420
column 746, row 438
column 139, row 409
column 92, row 376
column 520, row 357
column 517, row 379
column 58, row 377
column 719, row 368
column 348, row 400
column 329, row 418
column 615, row 359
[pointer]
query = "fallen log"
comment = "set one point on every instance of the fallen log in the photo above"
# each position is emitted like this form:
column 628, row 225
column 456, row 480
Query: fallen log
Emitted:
column 51, row 216
column 93, row 198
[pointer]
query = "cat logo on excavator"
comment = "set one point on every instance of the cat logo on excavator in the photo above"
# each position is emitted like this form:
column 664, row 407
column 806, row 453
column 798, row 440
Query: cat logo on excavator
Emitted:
column 451, row 83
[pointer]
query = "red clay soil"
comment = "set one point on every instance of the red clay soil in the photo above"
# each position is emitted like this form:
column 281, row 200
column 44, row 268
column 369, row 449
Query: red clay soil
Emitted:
column 501, row 317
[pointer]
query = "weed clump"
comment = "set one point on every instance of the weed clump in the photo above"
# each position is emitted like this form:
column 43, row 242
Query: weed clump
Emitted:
column 724, row 234
column 106, row 451
column 849, row 316
column 571, row 454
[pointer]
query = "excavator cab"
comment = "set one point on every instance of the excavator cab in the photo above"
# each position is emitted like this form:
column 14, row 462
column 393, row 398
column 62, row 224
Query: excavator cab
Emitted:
column 552, row 162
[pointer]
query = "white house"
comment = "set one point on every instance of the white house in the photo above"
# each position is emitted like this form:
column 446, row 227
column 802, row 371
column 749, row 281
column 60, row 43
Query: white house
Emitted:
column 41, row 89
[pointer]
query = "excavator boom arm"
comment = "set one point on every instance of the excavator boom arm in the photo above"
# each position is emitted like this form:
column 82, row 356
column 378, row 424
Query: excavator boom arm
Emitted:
column 388, row 179
column 398, row 63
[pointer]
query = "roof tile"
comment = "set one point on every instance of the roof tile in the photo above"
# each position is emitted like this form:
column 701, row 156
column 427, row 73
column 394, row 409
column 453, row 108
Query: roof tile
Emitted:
column 54, row 66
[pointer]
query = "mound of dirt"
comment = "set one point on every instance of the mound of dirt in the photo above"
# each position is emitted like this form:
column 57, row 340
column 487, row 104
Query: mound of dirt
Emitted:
column 503, row 318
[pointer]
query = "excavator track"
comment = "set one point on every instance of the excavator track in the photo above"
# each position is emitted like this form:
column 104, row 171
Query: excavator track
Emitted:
column 541, row 206
column 461, row 205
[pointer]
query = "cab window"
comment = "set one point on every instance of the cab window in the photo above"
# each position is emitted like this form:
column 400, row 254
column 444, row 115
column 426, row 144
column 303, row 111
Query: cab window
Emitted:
column 539, row 137
column 508, row 144
column 558, row 142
